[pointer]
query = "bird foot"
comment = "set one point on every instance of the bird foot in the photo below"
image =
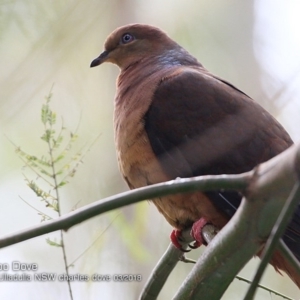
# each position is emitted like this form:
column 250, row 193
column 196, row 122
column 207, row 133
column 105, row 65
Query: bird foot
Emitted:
column 196, row 233
column 176, row 240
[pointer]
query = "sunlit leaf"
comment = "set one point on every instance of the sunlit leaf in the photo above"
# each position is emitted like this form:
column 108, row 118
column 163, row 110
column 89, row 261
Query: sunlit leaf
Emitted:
column 53, row 243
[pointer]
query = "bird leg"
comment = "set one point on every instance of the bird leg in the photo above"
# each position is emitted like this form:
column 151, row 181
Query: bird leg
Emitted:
column 196, row 233
column 176, row 240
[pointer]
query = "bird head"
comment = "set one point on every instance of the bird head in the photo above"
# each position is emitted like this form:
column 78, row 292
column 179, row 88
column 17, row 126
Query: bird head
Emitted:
column 132, row 43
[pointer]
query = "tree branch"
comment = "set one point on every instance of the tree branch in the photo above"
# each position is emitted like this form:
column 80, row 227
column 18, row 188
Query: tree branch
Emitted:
column 203, row 183
column 169, row 260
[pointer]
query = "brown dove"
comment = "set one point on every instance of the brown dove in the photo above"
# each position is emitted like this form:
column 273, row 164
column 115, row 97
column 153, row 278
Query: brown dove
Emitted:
column 173, row 118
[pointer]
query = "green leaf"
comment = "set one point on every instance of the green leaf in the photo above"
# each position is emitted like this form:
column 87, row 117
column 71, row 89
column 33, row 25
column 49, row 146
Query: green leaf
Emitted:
column 31, row 157
column 73, row 137
column 53, row 243
column 72, row 172
column 62, row 183
column 55, row 206
column 57, row 142
column 44, row 217
column 39, row 192
column 48, row 135
column 45, row 113
column 59, row 157
column 43, row 171
column 48, row 98
column 44, row 161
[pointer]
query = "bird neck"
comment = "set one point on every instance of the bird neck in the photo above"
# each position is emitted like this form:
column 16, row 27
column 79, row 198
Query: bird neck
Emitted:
column 145, row 67
column 138, row 71
column 143, row 75
column 177, row 57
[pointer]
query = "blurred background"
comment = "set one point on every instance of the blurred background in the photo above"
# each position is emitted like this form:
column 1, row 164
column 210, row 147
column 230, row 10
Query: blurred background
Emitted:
column 253, row 44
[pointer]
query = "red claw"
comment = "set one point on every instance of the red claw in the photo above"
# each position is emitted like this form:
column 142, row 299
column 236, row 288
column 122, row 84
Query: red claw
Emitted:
column 196, row 233
column 175, row 239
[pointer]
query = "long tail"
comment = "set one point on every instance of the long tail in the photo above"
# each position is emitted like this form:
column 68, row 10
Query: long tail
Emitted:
column 281, row 264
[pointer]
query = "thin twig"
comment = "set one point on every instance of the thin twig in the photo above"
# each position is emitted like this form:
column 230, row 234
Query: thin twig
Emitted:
column 59, row 210
column 28, row 165
column 94, row 242
column 81, row 157
column 264, row 288
column 39, row 211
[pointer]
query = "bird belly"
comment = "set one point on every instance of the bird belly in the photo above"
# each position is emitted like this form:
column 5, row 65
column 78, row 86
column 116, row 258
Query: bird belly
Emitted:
column 140, row 168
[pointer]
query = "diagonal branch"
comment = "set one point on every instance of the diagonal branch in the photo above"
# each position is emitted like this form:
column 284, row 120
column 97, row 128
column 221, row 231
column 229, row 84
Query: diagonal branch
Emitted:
column 163, row 269
column 203, row 183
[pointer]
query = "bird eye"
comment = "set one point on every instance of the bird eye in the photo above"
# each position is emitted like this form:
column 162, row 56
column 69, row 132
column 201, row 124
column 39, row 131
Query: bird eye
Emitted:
column 127, row 38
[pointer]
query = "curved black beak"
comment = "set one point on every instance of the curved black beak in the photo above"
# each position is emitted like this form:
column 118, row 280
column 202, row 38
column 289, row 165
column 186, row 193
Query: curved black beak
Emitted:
column 100, row 59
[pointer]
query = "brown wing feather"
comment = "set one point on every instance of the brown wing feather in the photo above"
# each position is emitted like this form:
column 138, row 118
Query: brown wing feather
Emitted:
column 198, row 125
